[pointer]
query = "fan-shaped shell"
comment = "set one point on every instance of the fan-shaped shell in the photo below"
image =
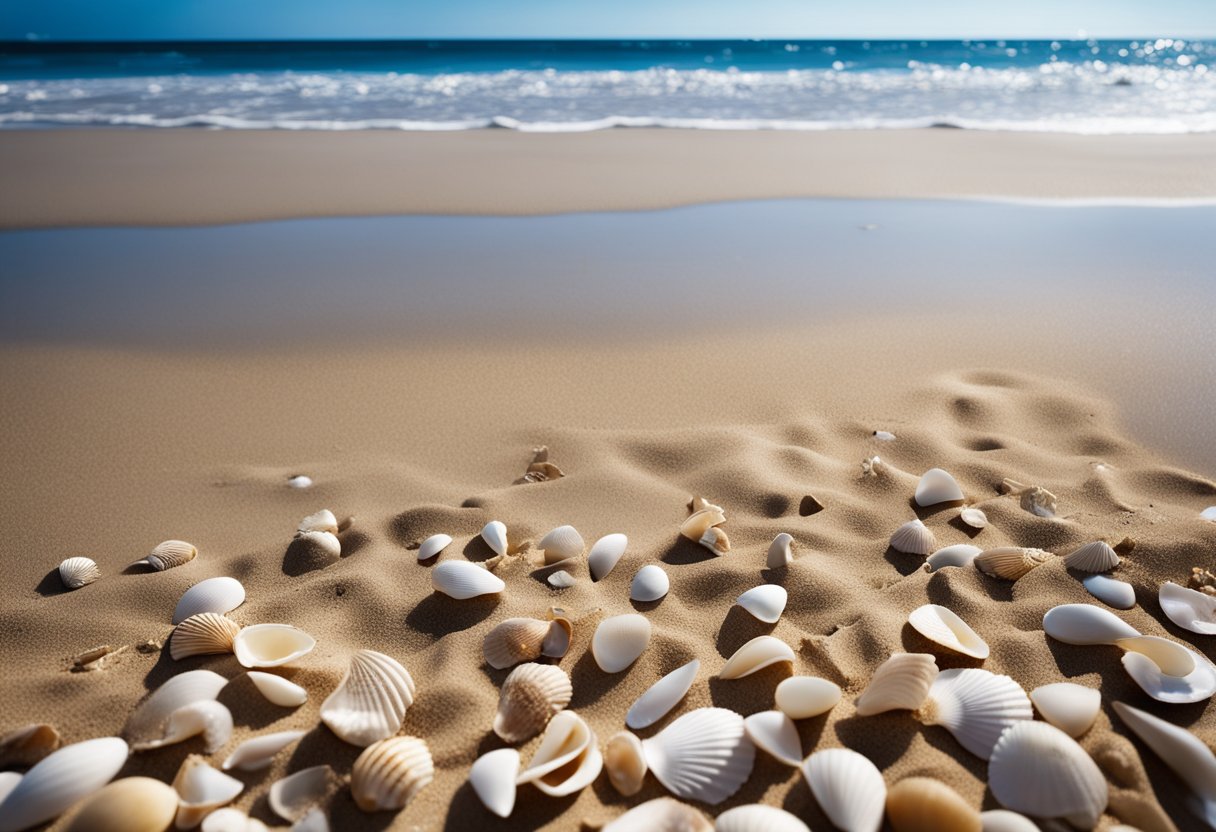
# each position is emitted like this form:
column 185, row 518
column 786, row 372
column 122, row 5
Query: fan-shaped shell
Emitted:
column 258, row 752
column 370, row 703
column 568, row 758
column 388, row 774
column 1010, row 562
column 494, row 534
column 848, row 787
column 76, row 572
column 203, row 634
column 147, row 722
column 913, row 538
column 1040, row 771
column 513, row 641
column 207, row 717
column 218, row 595
column 1181, row 750
column 626, row 763
column 132, row 804
column 201, row 790
column 1086, row 624
column 60, row 780
column 1092, row 557
column 1196, row 686
column 960, row 554
column 902, row 682
column 922, row 804
column 780, row 551
column 462, row 579
column 1173, row 658
column 561, row 543
column 433, row 545
column 531, row 694
column 1003, row 820
column 323, row 521
column 649, row 584
column 755, row 655
column 756, row 817
column 802, row 697
column 277, row 690
column 937, row 486
column 293, row 797
column 271, row 645
column 766, row 602
column 703, row 755
column 1189, row 609
column 940, row 625
column 774, row 732
column 1071, row 708
column 975, row 706
column 1114, row 593
column 493, row 780
column 974, row 517
column 170, row 553
column 661, row 815
column 604, row 555
column 662, row 696
column 619, row 640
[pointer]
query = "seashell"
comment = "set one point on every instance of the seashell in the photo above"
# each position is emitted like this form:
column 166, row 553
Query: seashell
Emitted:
column 974, row 517
column 561, row 543
column 462, row 579
column 913, row 538
column 314, row 820
column 300, row 481
column 1187, row 608
column 531, row 694
column 960, row 554
column 1171, row 657
column 561, row 579
column 388, row 774
column 513, row 641
column 922, row 804
column 1209, row 513
column 277, row 690
column 605, row 554
column 935, row 487
column 662, row 696
column 60, row 780
column 975, row 706
column 207, row 717
column 903, row 682
column 27, row 745
column 169, row 554
column 76, row 572
column 766, row 602
column 872, row 467
column 1071, row 708
column 323, row 521
column 326, row 543
column 8, row 782
column 802, row 697
column 201, row 790
column 661, row 815
column 1182, row 751
column 567, row 760
column 258, row 752
column 780, row 551
column 1033, row 498
column 702, row 527
column 1010, row 562
column 1118, row 594
column 295, row 795
column 626, row 763
column 756, row 817
column 757, row 654
column 232, row 820
column 884, row 435
column 494, row 534
column 848, row 787
column 703, row 755
column 203, row 634
column 1196, row 686
column 649, row 584
column 774, row 732
column 493, row 780
column 370, row 703
column 557, row 642
column 1086, row 624
column 1003, row 820
column 619, row 640
column 132, row 804
column 940, row 625
column 809, row 505
column 147, row 722
column 433, row 545
column 271, row 645
column 1040, row 771
column 217, row 595
column 1092, row 557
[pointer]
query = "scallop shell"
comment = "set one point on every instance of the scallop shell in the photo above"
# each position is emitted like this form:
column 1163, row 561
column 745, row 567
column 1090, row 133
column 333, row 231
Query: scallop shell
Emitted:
column 1086, row 624
column 433, row 545
column 277, row 690
column 960, row 554
column 1003, row 820
column 975, row 706
column 1171, row 657
column 207, row 717
column 462, row 579
column 28, row 744
column 132, row 804
column 1189, row 609
column 493, row 780
column 76, row 572
column 922, row 804
column 703, row 755
column 218, row 595
column 848, row 787
column 661, row 815
column 568, row 758
column 323, row 521
column 766, row 602
column 388, row 774
column 1010, row 562
column 531, row 694
column 1196, row 686
column 662, row 696
column 974, row 517
column 370, row 703
column 1071, row 708
column 494, row 534
column 803, row 697
column 756, row 817
column 232, row 820
column 1115, row 593
column 605, row 554
column 561, row 543
column 293, row 797
column 937, row 486
column 780, row 551
column 774, row 732
column 619, row 640
column 1092, row 557
column 201, row 790
column 649, row 584
column 149, row 719
column 940, row 625
column 169, row 554
column 258, row 752
column 271, row 645
column 901, row 682
column 757, row 654
column 561, row 579
column 513, row 641
column 626, row 763
column 1040, row 771
column 203, row 634
column 60, row 780
column 913, row 538
column 1182, row 751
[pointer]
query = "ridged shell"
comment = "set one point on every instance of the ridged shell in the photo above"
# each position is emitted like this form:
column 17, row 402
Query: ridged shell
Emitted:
column 662, row 696
column 649, row 584
column 277, row 690
column 323, row 521
column 803, row 697
column 170, row 553
column 937, row 486
column 1092, row 557
column 755, row 655
column 780, row 551
column 913, row 538
column 922, row 804
column 258, row 752
column 530, row 696
column 1189, row 609
column 765, row 602
column 756, row 817
column 433, row 545
column 1196, row 686
column 975, row 706
column 902, row 682
column 28, row 744
column 1173, row 658
column 605, row 554
column 76, row 572
column 619, row 640
column 132, row 804
column 60, row 780
column 370, row 703
column 974, row 517
column 960, row 554
column 201, row 790
column 271, row 645
column 1071, row 708
column 388, row 774
column 233, row 820
column 1181, row 750
column 942, row 626
column 513, row 641
column 1010, row 562
column 1086, row 624
column 1114, row 593
column 462, row 579
column 1003, row 820
column 625, row 762
column 703, row 755
column 493, row 780
column 147, row 722
column 661, row 815
column 568, row 758
column 294, row 796
column 1038, row 770
column 494, row 534
column 218, row 595
column 561, row 543
column 203, row 634
column 774, row 732
column 207, row 717
column 848, row 787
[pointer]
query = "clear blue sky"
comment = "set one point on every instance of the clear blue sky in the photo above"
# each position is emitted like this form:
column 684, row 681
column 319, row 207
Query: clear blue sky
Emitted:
column 269, row 19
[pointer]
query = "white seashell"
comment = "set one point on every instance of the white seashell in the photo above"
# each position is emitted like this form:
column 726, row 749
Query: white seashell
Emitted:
column 780, row 551
column 662, row 696
column 626, row 763
column 1010, row 562
column 1189, row 609
column 960, row 554
column 1181, row 750
column 258, row 752
column 1086, row 624
column 530, row 696
column 300, row 481
column 561, row 579
column 322, row 521
column 370, row 703
column 802, row 697
column 207, row 717
column 169, row 554
column 619, row 640
column 661, row 815
column 218, row 595
column 1092, row 557
column 203, row 634
column 324, row 542
column 649, row 584
column 147, row 722
column 513, row 641
column 902, row 682
column 201, row 790
column 1040, row 771
column 913, row 538
column 1003, row 820
column 756, row 817
column 766, row 602
column 314, row 820
column 132, row 804
column 1209, row 513
column 557, row 642
column 277, row 690
column 940, row 625
column 271, row 645
column 974, row 517
column 390, row 773
column 922, row 804
column 605, row 554
column 848, row 787
column 493, row 780
column 568, row 758
column 231, row 820
column 293, row 797
column 884, row 435
column 774, row 732
column 8, row 782
column 975, row 706
column 1115, row 593
column 1172, row 658
column 1071, row 708
column 1196, row 686
column 757, row 654
column 561, row 543
column 936, row 486
column 462, row 579
column 76, row 572
column 60, row 780
column 703, row 755
column 494, row 534
column 433, row 545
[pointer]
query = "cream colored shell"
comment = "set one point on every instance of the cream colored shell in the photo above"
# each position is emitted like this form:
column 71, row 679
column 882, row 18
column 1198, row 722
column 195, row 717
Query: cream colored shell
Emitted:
column 756, row 655
column 1092, row 557
column 132, row 804
column 901, row 682
column 913, row 538
column 625, row 762
column 922, row 804
column 203, row 634
column 513, row 641
column 1038, row 770
column 389, row 773
column 77, row 572
column 1010, row 562
column 942, row 626
column 531, row 694
column 370, row 703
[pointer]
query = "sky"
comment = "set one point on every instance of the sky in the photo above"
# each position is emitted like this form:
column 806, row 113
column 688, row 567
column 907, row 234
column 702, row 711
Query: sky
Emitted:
column 340, row 19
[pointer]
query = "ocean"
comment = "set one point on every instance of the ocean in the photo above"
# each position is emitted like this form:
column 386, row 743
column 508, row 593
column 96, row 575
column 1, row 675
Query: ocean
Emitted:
column 1159, row 85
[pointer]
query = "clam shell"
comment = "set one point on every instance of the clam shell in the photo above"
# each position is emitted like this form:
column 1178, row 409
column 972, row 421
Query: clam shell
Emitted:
column 568, row 758
column 370, row 703
column 774, row 732
column 513, row 641
column 626, row 763
column 1196, row 686
column 1173, row 658
column 561, row 630
column 1010, row 562
column 803, row 697
column 960, row 554
column 258, row 752
column 433, row 545
column 605, row 554
column 277, row 690
column 1189, row 609
column 323, row 521
column 913, row 538
column 203, row 634
column 232, row 820
column 848, row 787
column 974, row 517
column 756, row 817
column 703, row 755
column 218, row 595
column 1040, row 771
column 388, row 774
column 60, row 780
column 28, row 744
column 922, row 804
column 937, row 486
column 1003, row 820
column 493, row 780
column 1071, row 708
column 8, row 782
column 132, row 804
column 201, row 790
column 561, row 543
column 531, row 694
column 494, row 534
column 561, row 579
column 1115, row 593
column 661, row 815
column 293, row 797
column 1086, row 624
column 76, row 572
column 940, row 625
column 169, row 554
column 1092, row 557
column 662, row 696
column 975, row 706
column 1181, row 750
column 649, row 584
column 780, row 551
column 207, row 717
column 271, row 645
column 148, row 721
column 619, row 640
column 462, row 579
column 766, row 602
column 757, row 654
column 902, row 682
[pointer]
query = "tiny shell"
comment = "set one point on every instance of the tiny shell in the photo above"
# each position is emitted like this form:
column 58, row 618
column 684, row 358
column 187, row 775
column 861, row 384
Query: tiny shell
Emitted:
column 1010, row 562
column 513, row 641
column 277, row 690
column 780, row 551
column 757, row 817
column 60, row 780
column 884, row 435
column 203, row 634
column 1092, row 557
column 147, row 722
column 493, row 780
column 323, row 521
column 531, row 694
column 1115, row 593
column 605, row 554
column 922, row 804
column 661, row 815
column 388, row 774
column 258, row 752
column 271, row 645
column 201, row 790
column 626, row 763
column 755, row 655
column 649, row 584
column 960, row 554
column 132, row 804
column 296, row 794
column 462, row 579
column 803, row 697
column 975, row 706
column 774, row 732
column 568, row 758
column 561, row 579
column 561, row 543
column 766, row 602
column 1196, row 686
column 370, row 703
column 1187, row 608
column 207, row 717
column 169, row 554
column 494, row 534
column 848, row 787
column 1181, row 750
column 913, row 538
column 662, row 696
column 703, row 755
column 218, row 595
column 1040, row 771
column 903, row 682
column 1086, row 624
column 937, row 486
column 619, row 640
column 974, row 517
column 940, row 625
column 433, row 545
column 300, row 481
column 76, row 572
column 1071, row 708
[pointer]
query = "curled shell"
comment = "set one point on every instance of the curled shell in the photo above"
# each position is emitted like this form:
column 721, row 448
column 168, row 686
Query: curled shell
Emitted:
column 294, row 796
column 619, row 640
column 494, row 534
column 76, row 572
column 561, row 630
column 755, row 655
column 765, row 602
column 28, row 744
column 568, row 758
column 1092, row 557
column 169, row 554
column 662, row 696
column 1195, row 686
column 780, row 551
column 1040, row 771
column 493, row 780
column 661, row 815
column 323, row 521
column 271, row 645
column 1071, row 708
column 201, row 790
column 218, row 595
column 940, row 625
column 1173, row 658
column 974, row 517
column 848, row 787
column 462, row 579
column 561, row 543
column 148, row 721
column 913, row 538
column 1181, row 750
column 132, row 804
column 203, row 634
column 1114, row 593
column 1190, row 610
column 1010, row 562
column 1086, row 624
column 60, row 780
column 774, row 732
column 975, row 706
column 433, row 545
column 649, row 584
column 626, row 763
column 937, row 486
column 803, row 697
column 922, row 804
column 370, row 703
column 901, row 682
column 277, row 690
column 604, row 555
column 703, row 755
column 513, row 641
column 389, row 773
column 258, row 752
column 207, row 717
column 960, row 554
column 531, row 694
column 757, row 817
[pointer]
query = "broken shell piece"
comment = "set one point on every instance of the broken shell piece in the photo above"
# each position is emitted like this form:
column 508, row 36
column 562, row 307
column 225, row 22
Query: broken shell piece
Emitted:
column 203, row 634
column 848, row 787
column 1182, row 751
column 802, row 697
column 780, row 551
column 937, row 486
column 207, row 717
column 974, row 517
column 169, row 554
column 1115, row 593
column 493, row 780
column 774, row 732
column 766, row 602
column 568, row 758
column 702, row 527
column 513, row 641
column 757, row 817
column 147, row 722
column 1190, row 610
column 277, row 690
column 940, row 625
column 201, row 790
column 271, row 645
column 960, row 554
column 699, row 503
column 1033, row 498
column 1010, row 562
column 296, row 794
column 1071, row 708
column 715, row 540
column 462, row 579
column 494, row 534
column 913, row 538
column 1040, row 771
column 27, row 745
column 1086, row 624
column 561, row 543
column 388, row 774
column 975, row 706
column 433, row 545
column 703, row 755
column 662, row 814
column 530, row 696
column 561, row 579
column 922, row 804
column 619, row 640
column 872, row 467
column 1195, row 686
column 649, row 584
column 218, row 595
column 370, row 703
column 604, row 555
column 76, row 572
column 662, row 696
column 61, row 780
column 902, row 682
column 626, row 763
column 809, row 505
column 755, row 655
column 132, row 804
column 323, row 521
column 258, row 752
column 1092, row 557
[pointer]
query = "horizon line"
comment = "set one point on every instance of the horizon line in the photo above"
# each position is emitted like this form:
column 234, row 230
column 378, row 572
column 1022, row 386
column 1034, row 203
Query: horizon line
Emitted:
column 50, row 41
